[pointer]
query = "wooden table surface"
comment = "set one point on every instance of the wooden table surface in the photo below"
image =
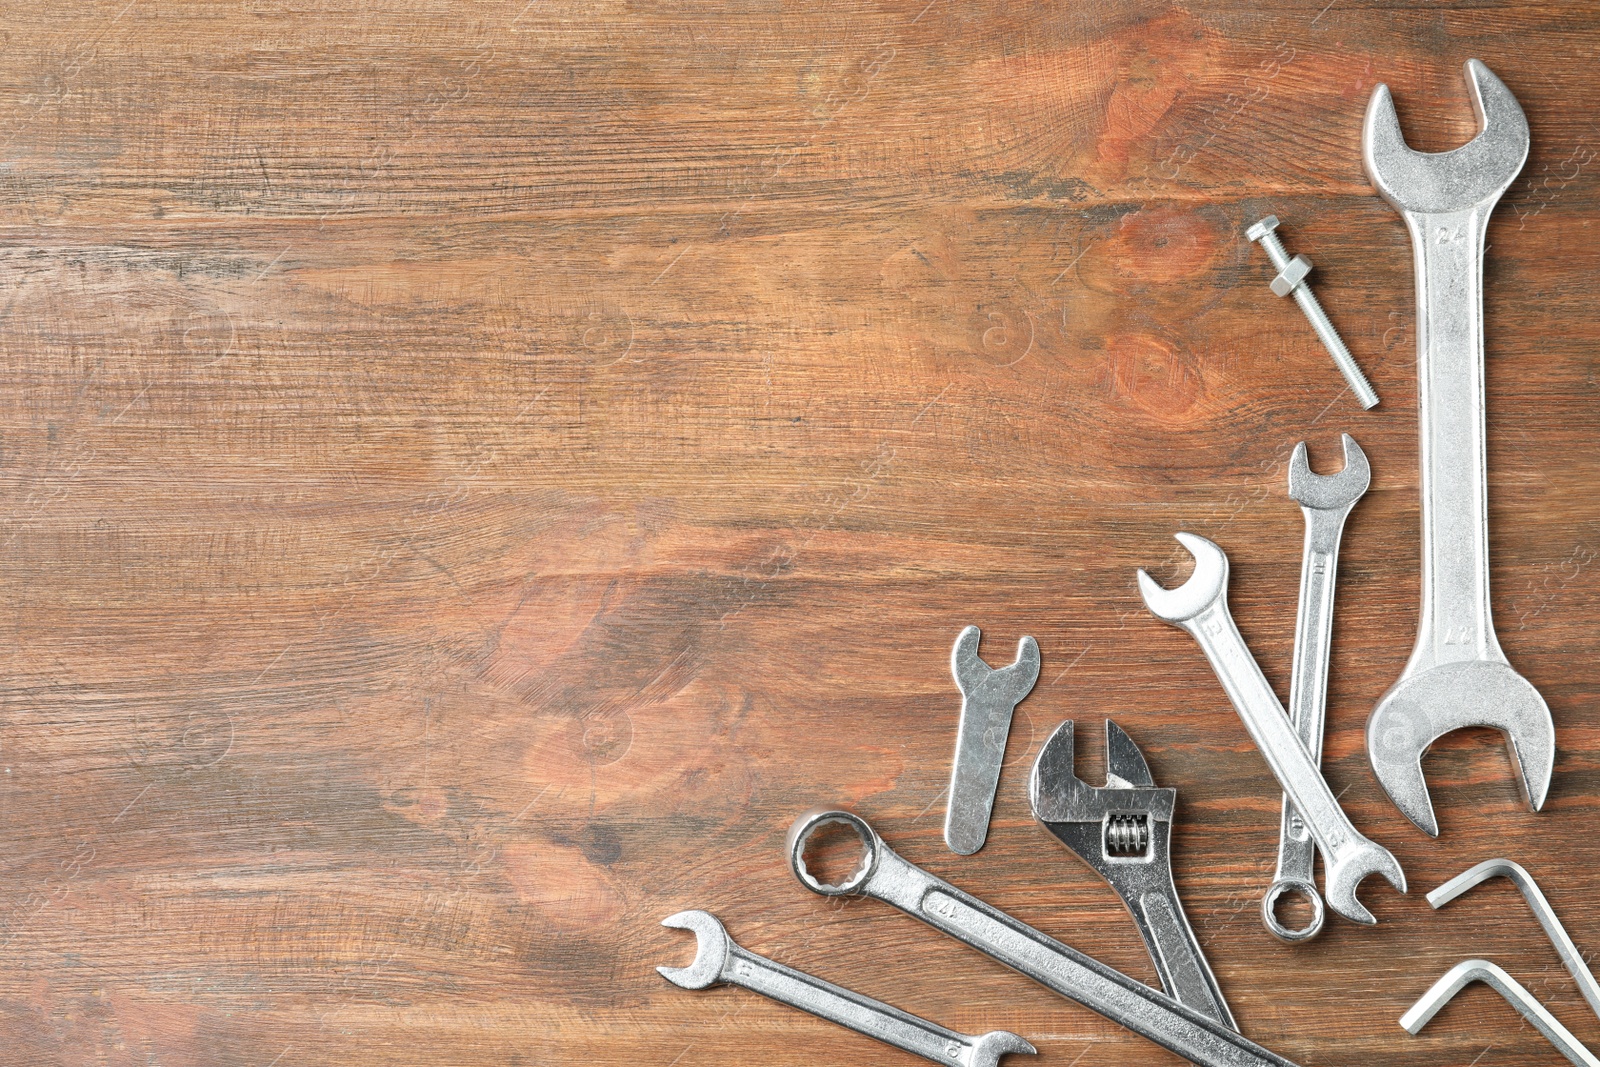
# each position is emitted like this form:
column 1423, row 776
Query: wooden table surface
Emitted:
column 473, row 471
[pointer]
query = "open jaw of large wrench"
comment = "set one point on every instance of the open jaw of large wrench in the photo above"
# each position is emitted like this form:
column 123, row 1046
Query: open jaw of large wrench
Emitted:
column 1325, row 500
column 1457, row 675
column 884, row 875
column 719, row 959
column 988, row 698
column 1200, row 606
column 1123, row 830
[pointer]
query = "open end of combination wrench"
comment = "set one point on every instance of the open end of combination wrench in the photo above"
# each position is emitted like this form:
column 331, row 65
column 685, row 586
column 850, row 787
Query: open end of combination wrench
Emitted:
column 1123, row 830
column 1200, row 606
column 1457, row 675
column 988, row 699
column 719, row 959
column 885, row 875
column 1325, row 500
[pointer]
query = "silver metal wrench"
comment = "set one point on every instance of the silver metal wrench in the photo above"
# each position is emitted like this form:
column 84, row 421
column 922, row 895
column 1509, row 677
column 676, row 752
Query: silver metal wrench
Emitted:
column 886, row 876
column 718, row 959
column 1123, row 831
column 1200, row 606
column 1325, row 500
column 1457, row 675
column 988, row 699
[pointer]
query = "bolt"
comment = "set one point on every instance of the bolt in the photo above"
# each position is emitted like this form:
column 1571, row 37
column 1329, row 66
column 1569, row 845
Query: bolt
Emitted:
column 1291, row 279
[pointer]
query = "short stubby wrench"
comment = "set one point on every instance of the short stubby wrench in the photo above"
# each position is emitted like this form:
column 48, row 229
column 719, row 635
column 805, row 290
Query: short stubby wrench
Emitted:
column 1200, row 606
column 1325, row 500
column 1457, row 675
column 885, row 875
column 718, row 959
column 988, row 698
column 1123, row 830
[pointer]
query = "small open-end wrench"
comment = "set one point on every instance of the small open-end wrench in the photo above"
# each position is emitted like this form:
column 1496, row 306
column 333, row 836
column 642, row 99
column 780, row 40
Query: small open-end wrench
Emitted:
column 1123, row 830
column 719, row 959
column 1457, row 675
column 1325, row 500
column 988, row 698
column 885, row 875
column 1200, row 606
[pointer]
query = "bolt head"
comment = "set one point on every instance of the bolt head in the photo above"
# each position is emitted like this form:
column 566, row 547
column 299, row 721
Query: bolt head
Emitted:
column 1292, row 276
column 1262, row 228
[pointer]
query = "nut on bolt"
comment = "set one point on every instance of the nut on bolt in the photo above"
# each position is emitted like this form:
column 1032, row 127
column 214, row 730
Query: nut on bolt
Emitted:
column 1291, row 281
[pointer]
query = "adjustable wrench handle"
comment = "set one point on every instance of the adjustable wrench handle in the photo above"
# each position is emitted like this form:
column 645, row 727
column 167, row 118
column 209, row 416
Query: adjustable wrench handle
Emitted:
column 1185, row 974
column 849, row 1009
column 888, row 877
column 1456, row 623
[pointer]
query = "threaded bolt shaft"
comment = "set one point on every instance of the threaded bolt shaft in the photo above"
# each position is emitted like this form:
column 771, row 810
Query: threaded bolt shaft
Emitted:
column 1262, row 232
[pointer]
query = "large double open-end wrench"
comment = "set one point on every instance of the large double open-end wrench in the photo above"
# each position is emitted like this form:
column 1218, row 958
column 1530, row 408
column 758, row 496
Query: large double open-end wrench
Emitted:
column 1123, row 830
column 885, row 875
column 1200, row 606
column 719, row 959
column 988, row 698
column 1457, row 675
column 1325, row 500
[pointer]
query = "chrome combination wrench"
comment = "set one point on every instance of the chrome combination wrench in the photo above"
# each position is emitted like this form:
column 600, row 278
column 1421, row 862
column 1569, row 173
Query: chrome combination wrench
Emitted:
column 1457, row 675
column 1123, row 830
column 1200, row 606
column 886, row 876
column 1325, row 500
column 718, row 959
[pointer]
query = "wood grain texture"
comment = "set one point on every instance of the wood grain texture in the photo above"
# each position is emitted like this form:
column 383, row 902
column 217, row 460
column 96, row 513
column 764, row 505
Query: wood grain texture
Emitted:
column 471, row 472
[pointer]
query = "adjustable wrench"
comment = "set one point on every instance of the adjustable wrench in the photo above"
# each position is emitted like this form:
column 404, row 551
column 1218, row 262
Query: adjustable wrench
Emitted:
column 1325, row 500
column 718, row 959
column 988, row 698
column 885, row 875
column 1200, row 606
column 1123, row 830
column 1457, row 675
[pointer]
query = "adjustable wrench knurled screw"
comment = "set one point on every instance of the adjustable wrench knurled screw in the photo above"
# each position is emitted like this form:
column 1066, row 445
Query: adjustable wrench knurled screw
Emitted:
column 1325, row 500
column 1457, row 675
column 719, row 959
column 1123, row 830
column 1200, row 607
column 1291, row 280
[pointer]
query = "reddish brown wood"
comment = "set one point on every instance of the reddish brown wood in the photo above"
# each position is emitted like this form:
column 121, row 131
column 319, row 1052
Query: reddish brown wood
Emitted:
column 472, row 472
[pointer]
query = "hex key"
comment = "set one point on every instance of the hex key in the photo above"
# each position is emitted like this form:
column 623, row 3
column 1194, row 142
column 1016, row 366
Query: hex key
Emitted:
column 1541, row 911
